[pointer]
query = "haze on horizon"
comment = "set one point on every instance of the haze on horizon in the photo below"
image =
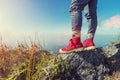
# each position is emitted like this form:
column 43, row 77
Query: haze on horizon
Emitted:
column 21, row 19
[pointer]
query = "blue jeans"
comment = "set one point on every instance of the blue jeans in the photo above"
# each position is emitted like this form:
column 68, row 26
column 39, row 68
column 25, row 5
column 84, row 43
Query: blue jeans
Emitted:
column 89, row 7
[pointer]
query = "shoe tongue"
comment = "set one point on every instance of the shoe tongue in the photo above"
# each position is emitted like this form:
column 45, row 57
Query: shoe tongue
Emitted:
column 90, row 39
column 71, row 42
column 86, row 40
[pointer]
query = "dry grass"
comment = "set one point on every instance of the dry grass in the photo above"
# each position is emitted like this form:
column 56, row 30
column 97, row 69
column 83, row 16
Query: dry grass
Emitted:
column 20, row 59
column 114, row 76
column 28, row 63
column 32, row 63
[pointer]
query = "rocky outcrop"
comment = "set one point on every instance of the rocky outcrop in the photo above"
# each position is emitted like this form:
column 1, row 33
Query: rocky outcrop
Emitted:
column 86, row 65
column 91, row 65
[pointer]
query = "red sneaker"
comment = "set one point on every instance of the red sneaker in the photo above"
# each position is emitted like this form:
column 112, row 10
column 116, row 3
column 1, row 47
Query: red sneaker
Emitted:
column 89, row 44
column 74, row 45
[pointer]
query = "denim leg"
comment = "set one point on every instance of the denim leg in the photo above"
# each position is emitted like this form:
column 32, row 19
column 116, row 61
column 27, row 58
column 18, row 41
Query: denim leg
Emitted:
column 91, row 16
column 76, row 20
column 76, row 14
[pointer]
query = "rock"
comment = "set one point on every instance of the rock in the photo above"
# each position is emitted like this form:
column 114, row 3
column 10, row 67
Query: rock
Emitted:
column 86, row 65
column 111, row 50
column 91, row 65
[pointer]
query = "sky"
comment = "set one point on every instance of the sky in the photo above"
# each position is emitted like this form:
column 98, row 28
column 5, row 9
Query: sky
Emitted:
column 51, row 20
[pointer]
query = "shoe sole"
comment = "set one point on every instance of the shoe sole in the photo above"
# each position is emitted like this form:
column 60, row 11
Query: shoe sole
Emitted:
column 74, row 50
column 90, row 48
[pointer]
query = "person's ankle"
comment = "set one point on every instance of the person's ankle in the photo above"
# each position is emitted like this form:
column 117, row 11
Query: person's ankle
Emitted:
column 76, row 33
column 90, row 36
